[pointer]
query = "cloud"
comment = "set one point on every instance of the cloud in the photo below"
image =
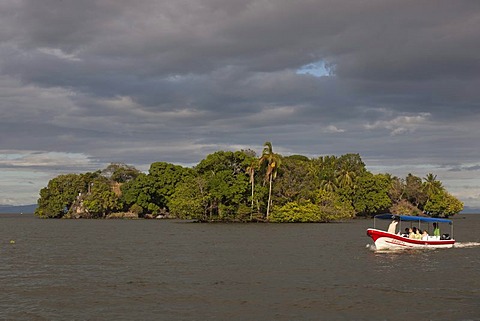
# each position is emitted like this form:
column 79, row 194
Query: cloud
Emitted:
column 333, row 129
column 150, row 80
column 401, row 124
column 58, row 53
column 39, row 159
column 465, row 167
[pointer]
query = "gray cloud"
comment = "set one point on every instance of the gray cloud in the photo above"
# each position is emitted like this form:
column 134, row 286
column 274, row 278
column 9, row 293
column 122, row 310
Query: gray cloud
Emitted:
column 174, row 80
column 465, row 168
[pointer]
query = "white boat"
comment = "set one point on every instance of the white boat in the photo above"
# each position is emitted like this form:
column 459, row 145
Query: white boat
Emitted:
column 393, row 240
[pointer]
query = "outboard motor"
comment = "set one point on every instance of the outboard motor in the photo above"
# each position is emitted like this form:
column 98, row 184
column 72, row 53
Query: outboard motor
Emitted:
column 445, row 237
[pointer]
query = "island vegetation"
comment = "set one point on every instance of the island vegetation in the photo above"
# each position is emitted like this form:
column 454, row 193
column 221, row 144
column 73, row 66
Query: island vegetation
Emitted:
column 241, row 186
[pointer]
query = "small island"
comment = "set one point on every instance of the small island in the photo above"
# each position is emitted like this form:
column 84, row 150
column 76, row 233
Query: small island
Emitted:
column 240, row 186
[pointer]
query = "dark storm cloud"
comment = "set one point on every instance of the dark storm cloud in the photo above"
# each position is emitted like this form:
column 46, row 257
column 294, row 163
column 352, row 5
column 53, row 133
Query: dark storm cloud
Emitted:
column 379, row 51
column 147, row 80
column 373, row 41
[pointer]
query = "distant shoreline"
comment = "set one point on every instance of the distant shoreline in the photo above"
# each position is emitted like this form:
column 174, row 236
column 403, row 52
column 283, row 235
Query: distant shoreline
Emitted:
column 30, row 209
column 17, row 209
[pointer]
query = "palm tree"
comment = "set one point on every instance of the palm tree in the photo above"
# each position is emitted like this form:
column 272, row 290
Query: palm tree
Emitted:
column 345, row 177
column 272, row 162
column 431, row 186
column 251, row 174
column 328, row 185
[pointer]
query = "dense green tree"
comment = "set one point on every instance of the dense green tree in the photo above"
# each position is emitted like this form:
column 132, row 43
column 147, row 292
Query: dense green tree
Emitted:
column 227, row 185
column 404, row 207
column 327, row 206
column 120, row 172
column 190, row 200
column 414, row 191
column 415, row 197
column 333, row 207
column 397, row 189
column 296, row 212
column 61, row 192
column 294, row 181
column 322, row 172
column 226, row 192
column 371, row 196
column 152, row 191
column 166, row 176
column 101, row 200
column 236, row 162
column 349, row 167
column 136, row 209
column 351, row 163
column 142, row 192
column 443, row 204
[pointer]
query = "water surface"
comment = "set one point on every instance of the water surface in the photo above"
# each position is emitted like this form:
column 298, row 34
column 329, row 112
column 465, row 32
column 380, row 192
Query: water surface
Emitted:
column 174, row 270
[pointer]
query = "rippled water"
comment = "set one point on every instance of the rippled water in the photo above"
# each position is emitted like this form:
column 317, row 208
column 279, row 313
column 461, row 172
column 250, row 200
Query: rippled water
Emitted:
column 174, row 270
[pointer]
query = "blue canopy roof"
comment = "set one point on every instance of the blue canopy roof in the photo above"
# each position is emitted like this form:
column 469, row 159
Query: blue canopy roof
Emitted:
column 412, row 218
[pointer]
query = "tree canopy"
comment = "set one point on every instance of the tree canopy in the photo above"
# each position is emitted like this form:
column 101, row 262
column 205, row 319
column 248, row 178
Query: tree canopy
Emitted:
column 239, row 186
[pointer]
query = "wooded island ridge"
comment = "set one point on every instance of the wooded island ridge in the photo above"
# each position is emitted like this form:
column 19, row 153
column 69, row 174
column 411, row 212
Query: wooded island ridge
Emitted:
column 239, row 186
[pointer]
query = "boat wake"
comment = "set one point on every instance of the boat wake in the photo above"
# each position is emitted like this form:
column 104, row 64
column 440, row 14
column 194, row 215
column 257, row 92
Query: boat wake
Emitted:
column 463, row 245
column 371, row 247
column 458, row 245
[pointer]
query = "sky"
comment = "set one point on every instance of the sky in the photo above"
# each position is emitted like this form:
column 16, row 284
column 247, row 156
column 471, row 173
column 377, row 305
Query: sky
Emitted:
column 86, row 83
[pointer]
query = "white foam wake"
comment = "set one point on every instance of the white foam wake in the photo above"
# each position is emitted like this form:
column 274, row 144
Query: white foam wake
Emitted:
column 466, row 244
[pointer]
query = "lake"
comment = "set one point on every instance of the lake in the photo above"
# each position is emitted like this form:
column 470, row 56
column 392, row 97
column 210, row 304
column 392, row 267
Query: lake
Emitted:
column 176, row 270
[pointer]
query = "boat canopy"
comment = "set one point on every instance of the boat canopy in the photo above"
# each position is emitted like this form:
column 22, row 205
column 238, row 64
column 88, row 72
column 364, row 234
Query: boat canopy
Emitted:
column 412, row 218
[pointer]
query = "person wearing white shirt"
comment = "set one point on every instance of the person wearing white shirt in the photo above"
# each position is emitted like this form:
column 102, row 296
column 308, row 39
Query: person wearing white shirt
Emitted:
column 392, row 227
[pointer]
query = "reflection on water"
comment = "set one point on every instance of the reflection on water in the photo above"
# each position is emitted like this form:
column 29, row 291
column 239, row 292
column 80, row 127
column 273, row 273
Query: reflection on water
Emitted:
column 171, row 270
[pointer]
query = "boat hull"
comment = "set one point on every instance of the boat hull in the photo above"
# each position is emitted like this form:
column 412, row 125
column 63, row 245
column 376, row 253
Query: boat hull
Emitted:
column 388, row 241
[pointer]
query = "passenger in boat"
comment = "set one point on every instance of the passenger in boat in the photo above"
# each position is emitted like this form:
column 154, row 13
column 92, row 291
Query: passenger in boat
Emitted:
column 436, row 230
column 425, row 235
column 392, row 227
column 407, row 232
column 411, row 232
column 418, row 234
column 415, row 234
